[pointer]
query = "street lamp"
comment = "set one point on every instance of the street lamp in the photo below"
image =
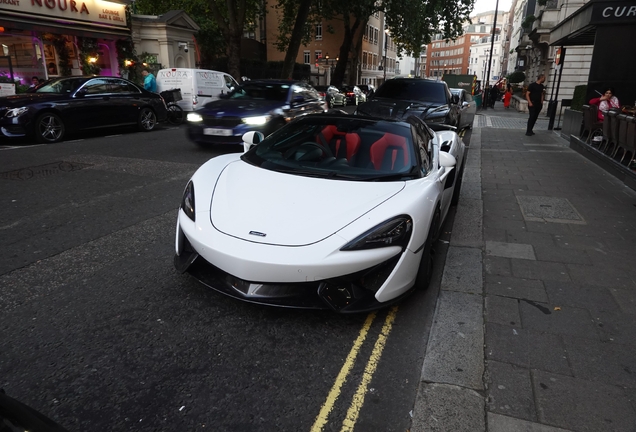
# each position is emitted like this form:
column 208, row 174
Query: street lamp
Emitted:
column 386, row 44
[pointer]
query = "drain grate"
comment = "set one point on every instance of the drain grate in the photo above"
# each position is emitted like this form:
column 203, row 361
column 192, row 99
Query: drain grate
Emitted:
column 548, row 209
column 41, row 171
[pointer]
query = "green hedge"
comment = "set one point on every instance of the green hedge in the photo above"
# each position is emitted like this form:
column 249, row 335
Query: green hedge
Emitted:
column 578, row 98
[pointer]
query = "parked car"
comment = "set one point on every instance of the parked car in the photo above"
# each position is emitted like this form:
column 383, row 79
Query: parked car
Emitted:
column 65, row 105
column 467, row 108
column 257, row 105
column 367, row 89
column 332, row 96
column 430, row 100
column 332, row 211
column 353, row 94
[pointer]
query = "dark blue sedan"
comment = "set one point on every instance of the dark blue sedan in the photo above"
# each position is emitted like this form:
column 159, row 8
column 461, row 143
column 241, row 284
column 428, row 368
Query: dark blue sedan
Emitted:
column 65, row 105
column 259, row 105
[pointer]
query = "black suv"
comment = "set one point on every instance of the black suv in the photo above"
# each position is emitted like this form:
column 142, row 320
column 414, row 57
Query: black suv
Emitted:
column 399, row 98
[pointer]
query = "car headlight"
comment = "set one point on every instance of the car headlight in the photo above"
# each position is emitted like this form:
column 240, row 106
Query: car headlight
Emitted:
column 256, row 121
column 393, row 232
column 187, row 203
column 194, row 117
column 15, row 112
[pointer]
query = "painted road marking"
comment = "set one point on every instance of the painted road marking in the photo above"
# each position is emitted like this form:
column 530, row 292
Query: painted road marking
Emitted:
column 321, row 420
column 358, row 399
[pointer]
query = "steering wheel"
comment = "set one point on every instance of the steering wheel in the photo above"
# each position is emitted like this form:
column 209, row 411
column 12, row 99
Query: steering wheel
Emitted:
column 307, row 144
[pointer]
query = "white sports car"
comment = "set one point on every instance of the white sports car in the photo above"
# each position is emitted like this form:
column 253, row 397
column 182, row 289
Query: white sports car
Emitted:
column 331, row 211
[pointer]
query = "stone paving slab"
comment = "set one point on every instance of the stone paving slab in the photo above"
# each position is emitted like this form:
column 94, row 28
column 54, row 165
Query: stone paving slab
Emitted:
column 454, row 354
column 501, row 423
column 444, row 408
column 510, row 250
column 581, row 405
column 510, row 391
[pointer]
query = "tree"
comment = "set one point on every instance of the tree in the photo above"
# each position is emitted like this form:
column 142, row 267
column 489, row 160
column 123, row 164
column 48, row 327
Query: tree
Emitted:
column 232, row 17
column 209, row 37
column 289, row 39
column 411, row 23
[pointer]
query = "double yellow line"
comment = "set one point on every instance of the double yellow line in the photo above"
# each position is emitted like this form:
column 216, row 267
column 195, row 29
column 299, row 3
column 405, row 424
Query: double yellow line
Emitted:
column 358, row 398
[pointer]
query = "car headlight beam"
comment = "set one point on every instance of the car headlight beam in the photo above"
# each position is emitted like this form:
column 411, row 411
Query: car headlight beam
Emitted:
column 15, row 112
column 194, row 117
column 393, row 232
column 256, row 121
column 187, row 203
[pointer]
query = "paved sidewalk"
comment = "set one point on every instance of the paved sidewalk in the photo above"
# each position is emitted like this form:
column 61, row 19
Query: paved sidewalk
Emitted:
column 543, row 245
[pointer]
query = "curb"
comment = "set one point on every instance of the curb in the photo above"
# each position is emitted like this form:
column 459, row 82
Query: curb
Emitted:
column 450, row 396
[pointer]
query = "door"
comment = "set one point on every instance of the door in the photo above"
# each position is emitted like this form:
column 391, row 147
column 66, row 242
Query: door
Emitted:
column 90, row 105
column 126, row 100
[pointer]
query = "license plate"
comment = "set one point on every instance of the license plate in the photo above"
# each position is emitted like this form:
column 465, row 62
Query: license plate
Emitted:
column 215, row 131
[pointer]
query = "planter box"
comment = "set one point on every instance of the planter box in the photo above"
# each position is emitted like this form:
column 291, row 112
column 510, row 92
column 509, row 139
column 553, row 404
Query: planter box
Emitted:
column 572, row 123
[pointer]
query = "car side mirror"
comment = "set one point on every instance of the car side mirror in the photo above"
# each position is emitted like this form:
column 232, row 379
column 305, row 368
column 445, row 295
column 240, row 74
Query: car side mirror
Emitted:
column 224, row 96
column 80, row 93
column 298, row 99
column 251, row 139
column 447, row 160
column 465, row 104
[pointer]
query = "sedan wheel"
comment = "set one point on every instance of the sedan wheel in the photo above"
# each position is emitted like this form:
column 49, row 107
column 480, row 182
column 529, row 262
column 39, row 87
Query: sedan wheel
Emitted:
column 147, row 120
column 49, row 128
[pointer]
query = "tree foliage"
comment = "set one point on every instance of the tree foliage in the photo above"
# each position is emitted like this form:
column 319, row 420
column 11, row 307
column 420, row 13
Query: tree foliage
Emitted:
column 209, row 37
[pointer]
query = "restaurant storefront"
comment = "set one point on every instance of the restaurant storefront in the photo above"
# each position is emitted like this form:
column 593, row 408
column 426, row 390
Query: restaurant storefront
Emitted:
column 50, row 38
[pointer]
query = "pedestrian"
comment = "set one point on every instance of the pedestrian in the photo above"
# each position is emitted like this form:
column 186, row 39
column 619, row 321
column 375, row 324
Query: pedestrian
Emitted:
column 534, row 96
column 507, row 96
column 34, row 82
column 150, row 83
column 606, row 102
column 494, row 95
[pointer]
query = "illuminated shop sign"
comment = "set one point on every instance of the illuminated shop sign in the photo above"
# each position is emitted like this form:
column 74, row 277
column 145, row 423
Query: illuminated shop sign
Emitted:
column 95, row 11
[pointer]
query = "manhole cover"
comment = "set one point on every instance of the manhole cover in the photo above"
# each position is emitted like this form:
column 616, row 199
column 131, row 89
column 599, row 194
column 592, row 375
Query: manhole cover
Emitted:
column 548, row 209
column 42, row 170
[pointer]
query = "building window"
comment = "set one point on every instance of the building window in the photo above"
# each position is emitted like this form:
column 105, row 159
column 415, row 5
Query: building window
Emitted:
column 375, row 36
column 366, row 33
column 318, row 55
column 307, row 57
column 319, row 31
column 364, row 60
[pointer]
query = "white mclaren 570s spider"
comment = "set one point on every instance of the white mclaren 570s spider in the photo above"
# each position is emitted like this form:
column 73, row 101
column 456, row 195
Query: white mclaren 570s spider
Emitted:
column 331, row 211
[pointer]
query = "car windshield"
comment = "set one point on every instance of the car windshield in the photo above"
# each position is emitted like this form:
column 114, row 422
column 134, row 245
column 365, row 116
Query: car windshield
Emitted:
column 339, row 148
column 64, row 85
column 420, row 90
column 262, row 91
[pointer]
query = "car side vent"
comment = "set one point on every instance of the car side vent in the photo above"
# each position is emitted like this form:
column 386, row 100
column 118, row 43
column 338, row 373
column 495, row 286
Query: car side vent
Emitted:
column 446, row 146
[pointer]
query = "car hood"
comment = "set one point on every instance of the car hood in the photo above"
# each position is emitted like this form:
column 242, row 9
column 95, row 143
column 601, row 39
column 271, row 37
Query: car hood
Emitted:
column 289, row 210
column 25, row 99
column 240, row 107
column 400, row 109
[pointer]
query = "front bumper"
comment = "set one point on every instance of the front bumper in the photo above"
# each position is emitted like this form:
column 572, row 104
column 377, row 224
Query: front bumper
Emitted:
column 212, row 134
column 15, row 127
column 292, row 277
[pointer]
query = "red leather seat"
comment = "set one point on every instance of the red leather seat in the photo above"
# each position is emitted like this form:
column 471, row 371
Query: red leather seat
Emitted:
column 341, row 144
column 389, row 153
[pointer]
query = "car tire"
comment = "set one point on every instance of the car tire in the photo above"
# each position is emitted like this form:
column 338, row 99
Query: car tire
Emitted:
column 49, row 128
column 425, row 269
column 458, row 186
column 147, row 120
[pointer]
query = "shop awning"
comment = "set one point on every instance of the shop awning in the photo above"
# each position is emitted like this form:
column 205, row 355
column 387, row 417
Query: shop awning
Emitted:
column 67, row 27
column 580, row 27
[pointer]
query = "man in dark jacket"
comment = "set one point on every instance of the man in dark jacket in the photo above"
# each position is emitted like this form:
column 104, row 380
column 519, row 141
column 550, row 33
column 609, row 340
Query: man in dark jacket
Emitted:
column 534, row 96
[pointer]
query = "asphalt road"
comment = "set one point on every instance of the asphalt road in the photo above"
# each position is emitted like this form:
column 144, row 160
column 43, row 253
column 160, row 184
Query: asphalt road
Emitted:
column 99, row 332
